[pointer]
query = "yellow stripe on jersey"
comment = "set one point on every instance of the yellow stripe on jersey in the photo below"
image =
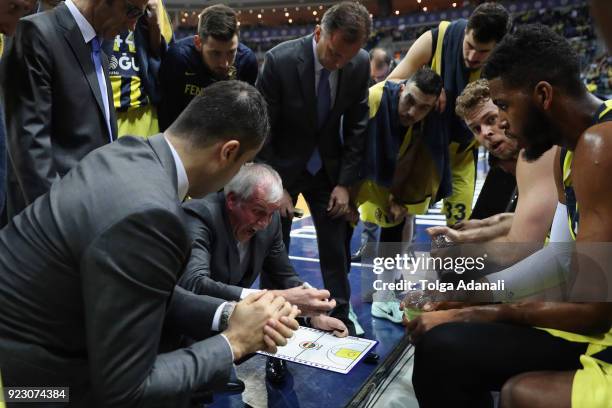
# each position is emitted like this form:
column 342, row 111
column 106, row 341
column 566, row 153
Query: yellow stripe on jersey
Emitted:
column 163, row 20
column 375, row 96
column 2, row 404
column 135, row 92
column 567, row 183
column 116, row 87
column 607, row 110
column 436, row 61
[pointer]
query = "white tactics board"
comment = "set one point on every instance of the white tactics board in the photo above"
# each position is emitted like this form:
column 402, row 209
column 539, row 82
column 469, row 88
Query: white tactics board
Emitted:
column 320, row 349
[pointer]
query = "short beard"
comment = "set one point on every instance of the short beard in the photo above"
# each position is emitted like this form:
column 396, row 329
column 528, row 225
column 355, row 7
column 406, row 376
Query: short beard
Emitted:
column 541, row 133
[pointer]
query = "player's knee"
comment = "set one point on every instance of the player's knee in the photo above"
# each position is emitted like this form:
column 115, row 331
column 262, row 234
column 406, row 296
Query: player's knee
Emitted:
column 516, row 392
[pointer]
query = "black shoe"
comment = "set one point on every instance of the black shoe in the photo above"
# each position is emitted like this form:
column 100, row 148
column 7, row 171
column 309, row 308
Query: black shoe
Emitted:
column 356, row 257
column 276, row 369
column 236, row 386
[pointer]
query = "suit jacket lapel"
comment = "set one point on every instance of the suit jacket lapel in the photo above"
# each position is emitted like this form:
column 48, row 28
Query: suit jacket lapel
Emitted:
column 305, row 67
column 163, row 152
column 81, row 51
column 233, row 258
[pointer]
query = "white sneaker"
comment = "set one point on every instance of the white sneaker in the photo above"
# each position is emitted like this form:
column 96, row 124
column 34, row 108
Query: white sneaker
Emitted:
column 353, row 318
column 387, row 310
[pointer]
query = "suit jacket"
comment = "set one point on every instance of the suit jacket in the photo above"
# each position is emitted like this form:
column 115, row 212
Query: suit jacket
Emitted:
column 214, row 265
column 54, row 109
column 86, row 277
column 288, row 84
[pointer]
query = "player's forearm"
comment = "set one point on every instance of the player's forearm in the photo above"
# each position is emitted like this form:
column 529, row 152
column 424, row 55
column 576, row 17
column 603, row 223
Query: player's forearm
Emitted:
column 503, row 218
column 584, row 318
column 488, row 232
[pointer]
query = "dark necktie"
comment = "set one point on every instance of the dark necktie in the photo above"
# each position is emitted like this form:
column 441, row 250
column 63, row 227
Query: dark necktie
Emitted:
column 323, row 106
column 95, row 57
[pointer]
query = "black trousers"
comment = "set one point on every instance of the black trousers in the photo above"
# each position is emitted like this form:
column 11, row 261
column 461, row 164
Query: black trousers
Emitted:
column 496, row 194
column 333, row 238
column 392, row 234
column 459, row 364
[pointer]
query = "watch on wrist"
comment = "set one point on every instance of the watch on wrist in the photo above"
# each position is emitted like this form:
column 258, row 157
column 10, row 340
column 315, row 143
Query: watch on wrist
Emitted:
column 226, row 313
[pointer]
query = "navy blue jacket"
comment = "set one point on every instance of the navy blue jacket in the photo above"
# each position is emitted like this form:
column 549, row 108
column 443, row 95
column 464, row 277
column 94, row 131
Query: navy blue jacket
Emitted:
column 184, row 75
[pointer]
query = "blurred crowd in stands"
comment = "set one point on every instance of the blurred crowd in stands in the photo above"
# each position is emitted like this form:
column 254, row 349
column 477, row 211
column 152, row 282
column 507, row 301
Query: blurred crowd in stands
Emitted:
column 572, row 22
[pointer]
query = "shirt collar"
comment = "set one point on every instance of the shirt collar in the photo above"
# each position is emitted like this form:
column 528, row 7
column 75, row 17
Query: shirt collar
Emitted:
column 181, row 174
column 87, row 31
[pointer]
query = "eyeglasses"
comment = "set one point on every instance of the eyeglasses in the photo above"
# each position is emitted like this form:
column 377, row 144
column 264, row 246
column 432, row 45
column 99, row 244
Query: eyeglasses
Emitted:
column 134, row 12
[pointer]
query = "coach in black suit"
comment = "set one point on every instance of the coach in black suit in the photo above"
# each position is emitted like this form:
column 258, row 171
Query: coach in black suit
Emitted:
column 236, row 238
column 317, row 93
column 56, row 111
column 88, row 271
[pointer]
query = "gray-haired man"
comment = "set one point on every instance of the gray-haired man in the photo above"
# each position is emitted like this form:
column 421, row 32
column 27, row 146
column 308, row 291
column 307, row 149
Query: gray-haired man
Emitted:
column 237, row 237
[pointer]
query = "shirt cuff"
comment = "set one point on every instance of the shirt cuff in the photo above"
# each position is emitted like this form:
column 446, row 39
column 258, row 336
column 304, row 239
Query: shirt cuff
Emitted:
column 217, row 317
column 229, row 345
column 246, row 292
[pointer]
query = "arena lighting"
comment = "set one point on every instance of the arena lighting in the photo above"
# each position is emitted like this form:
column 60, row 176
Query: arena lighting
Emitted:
column 261, row 11
column 397, row 12
column 314, row 13
column 425, row 9
column 297, row 9
column 419, row 1
column 186, row 14
column 290, row 21
column 183, row 20
column 308, row 8
column 454, row 4
column 286, row 14
column 259, row 16
column 285, row 9
column 320, row 7
column 250, row 11
column 238, row 23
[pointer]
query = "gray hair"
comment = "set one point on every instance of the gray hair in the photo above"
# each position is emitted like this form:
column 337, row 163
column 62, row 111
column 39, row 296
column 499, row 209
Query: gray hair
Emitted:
column 252, row 175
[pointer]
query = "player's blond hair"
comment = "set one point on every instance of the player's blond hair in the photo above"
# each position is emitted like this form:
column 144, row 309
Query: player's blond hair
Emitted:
column 475, row 94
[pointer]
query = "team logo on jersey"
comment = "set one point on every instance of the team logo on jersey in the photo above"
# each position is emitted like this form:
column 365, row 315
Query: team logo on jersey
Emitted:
column 113, row 63
column 232, row 73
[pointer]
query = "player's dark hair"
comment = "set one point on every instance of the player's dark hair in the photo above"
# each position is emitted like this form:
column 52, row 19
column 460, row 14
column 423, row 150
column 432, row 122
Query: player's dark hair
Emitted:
column 227, row 110
column 219, row 22
column 489, row 22
column 427, row 81
column 535, row 53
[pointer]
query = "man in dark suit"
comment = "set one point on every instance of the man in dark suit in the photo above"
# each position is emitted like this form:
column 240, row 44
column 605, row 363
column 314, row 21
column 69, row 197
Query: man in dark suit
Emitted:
column 10, row 13
column 236, row 237
column 88, row 271
column 59, row 103
column 317, row 93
